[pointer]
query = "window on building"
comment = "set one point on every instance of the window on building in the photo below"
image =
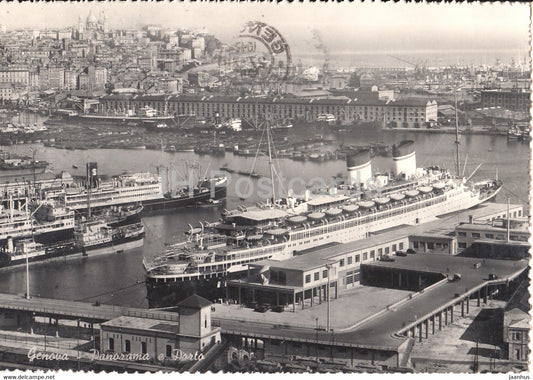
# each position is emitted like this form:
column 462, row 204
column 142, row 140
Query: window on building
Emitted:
column 205, row 321
column 515, row 335
column 394, row 247
column 357, row 258
column 462, row 234
column 350, row 259
column 144, row 349
column 168, row 350
column 317, row 276
column 461, row 245
column 372, row 254
column 365, row 256
column 307, row 278
column 489, row 236
column 387, row 250
column 415, row 244
column 430, row 245
column 380, row 252
column 476, row 235
column 400, row 246
column 112, row 344
column 325, row 273
column 127, row 345
column 341, row 263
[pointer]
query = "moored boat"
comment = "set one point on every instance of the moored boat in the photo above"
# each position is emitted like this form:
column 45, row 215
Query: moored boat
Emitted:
column 279, row 229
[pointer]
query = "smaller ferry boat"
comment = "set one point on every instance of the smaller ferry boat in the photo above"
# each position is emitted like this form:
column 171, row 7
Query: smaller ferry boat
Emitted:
column 98, row 237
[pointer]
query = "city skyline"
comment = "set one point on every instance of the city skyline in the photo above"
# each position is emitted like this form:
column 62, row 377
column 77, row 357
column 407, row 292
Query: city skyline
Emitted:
column 364, row 28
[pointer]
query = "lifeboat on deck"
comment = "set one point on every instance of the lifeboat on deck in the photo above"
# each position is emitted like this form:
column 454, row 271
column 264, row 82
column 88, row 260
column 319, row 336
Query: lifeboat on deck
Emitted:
column 425, row 189
column 350, row 208
column 382, row 200
column 277, row 231
column 412, row 193
column 397, row 197
column 316, row 215
column 298, row 219
column 439, row 185
column 333, row 212
column 254, row 237
column 367, row 204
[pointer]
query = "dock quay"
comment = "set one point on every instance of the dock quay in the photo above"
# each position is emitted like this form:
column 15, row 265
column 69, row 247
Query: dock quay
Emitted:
column 393, row 305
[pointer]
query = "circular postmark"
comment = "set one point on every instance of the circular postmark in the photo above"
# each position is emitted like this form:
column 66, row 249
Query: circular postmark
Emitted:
column 259, row 53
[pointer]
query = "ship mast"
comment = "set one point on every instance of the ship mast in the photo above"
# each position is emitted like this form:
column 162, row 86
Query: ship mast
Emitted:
column 269, row 136
column 89, row 185
column 456, row 135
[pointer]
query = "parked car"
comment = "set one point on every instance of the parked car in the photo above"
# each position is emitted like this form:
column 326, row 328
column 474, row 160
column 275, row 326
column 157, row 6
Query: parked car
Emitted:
column 386, row 258
column 411, row 251
column 252, row 305
column 401, row 253
column 278, row 309
column 263, row 308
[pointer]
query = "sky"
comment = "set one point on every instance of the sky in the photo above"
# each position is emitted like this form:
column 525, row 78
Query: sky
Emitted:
column 335, row 27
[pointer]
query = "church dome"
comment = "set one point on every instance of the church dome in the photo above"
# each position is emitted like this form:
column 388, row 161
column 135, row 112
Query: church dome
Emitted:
column 91, row 18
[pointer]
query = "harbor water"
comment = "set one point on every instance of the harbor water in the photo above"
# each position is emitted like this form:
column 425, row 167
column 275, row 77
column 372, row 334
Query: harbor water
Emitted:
column 118, row 278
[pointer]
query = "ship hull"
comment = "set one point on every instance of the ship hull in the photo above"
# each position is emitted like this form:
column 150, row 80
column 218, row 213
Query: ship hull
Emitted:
column 114, row 246
column 159, row 204
column 63, row 251
column 165, row 290
column 164, row 204
column 48, row 237
column 69, row 250
column 97, row 119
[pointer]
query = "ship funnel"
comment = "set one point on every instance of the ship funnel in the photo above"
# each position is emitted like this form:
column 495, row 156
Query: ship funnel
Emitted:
column 359, row 167
column 307, row 195
column 404, row 157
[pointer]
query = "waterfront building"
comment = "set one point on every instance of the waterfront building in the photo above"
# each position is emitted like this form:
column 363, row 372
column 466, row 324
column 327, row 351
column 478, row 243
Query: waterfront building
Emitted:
column 494, row 239
column 97, row 77
column 412, row 113
column 188, row 332
column 513, row 99
column 516, row 324
column 302, row 280
column 8, row 91
column 435, row 241
column 17, row 75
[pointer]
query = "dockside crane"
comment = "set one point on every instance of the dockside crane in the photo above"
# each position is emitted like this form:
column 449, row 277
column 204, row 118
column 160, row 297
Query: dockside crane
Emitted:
column 420, row 66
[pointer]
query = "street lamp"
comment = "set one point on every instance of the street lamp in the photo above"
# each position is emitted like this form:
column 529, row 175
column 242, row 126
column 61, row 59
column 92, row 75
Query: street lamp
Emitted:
column 316, row 339
column 328, row 266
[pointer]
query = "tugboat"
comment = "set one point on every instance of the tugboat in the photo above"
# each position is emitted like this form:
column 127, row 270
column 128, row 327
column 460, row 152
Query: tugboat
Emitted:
column 97, row 237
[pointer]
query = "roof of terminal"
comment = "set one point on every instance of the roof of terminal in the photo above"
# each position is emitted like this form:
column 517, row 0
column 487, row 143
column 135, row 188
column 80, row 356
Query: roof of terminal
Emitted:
column 143, row 324
column 447, row 264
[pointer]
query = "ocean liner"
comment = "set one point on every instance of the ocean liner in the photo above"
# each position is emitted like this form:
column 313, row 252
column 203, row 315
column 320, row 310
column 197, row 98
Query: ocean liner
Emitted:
column 90, row 238
column 139, row 188
column 279, row 228
column 46, row 221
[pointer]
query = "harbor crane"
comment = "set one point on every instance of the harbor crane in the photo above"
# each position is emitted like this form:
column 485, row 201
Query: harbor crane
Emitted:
column 420, row 66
